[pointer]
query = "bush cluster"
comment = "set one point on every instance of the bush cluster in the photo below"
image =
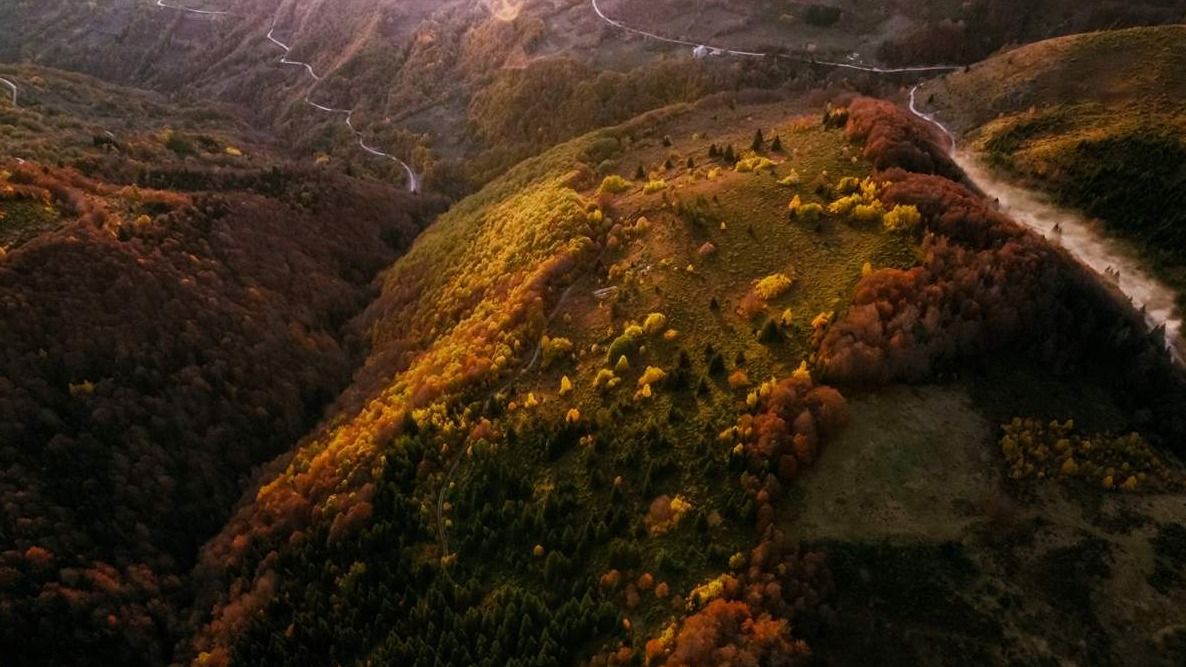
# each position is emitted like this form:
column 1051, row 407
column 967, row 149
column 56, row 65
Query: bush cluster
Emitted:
column 1046, row 450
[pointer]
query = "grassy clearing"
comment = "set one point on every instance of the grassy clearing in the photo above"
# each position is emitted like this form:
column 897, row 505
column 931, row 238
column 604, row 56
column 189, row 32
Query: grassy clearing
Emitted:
column 938, row 557
column 914, row 463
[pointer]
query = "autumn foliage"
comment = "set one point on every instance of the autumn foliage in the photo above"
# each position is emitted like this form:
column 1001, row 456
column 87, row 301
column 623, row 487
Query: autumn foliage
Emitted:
column 152, row 351
column 727, row 634
column 785, row 434
column 894, row 138
column 986, row 284
column 750, row 619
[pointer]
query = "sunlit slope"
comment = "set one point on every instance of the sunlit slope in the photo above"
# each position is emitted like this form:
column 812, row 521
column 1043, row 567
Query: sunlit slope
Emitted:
column 561, row 353
column 1095, row 119
column 597, row 384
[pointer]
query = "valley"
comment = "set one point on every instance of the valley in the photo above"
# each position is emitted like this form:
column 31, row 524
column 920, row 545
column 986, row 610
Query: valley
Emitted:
column 591, row 332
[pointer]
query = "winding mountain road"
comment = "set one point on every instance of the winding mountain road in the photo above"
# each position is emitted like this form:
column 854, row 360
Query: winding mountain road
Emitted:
column 757, row 54
column 13, row 87
column 413, row 177
column 205, row 12
column 1079, row 236
column 930, row 118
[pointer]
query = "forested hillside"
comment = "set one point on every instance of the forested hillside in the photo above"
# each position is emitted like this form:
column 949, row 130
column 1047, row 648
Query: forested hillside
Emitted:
column 160, row 341
column 592, row 397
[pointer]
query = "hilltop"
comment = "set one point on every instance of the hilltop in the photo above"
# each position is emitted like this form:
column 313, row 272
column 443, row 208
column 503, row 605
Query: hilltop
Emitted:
column 1093, row 119
column 600, row 389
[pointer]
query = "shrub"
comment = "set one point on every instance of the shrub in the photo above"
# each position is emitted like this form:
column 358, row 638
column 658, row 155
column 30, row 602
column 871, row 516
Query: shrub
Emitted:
column 835, row 117
column 845, row 205
column 809, row 212
column 792, row 178
column 606, row 379
column 738, row 379
column 868, row 213
column 848, row 185
column 756, row 163
column 601, row 149
column 614, row 184
column 654, row 323
column 554, row 349
column 902, row 218
column 750, row 305
column 181, row 144
column 624, row 346
column 773, row 285
column 666, row 513
column 652, row 375
column 654, row 186
column 823, row 16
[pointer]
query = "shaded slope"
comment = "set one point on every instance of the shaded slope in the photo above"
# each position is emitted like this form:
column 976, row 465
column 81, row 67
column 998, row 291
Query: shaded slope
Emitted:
column 156, row 347
column 987, row 552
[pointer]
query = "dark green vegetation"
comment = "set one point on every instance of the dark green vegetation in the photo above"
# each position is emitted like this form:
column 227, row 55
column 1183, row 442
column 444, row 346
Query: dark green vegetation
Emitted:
column 1128, row 178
